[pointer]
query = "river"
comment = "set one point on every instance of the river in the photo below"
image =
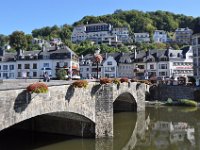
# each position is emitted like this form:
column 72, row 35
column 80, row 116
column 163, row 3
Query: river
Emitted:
column 173, row 128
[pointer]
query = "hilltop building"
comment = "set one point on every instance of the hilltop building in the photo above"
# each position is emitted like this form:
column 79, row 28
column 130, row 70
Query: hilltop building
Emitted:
column 183, row 35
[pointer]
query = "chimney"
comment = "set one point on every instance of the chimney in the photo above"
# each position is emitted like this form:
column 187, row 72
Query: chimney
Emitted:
column 135, row 53
column 43, row 48
column 106, row 55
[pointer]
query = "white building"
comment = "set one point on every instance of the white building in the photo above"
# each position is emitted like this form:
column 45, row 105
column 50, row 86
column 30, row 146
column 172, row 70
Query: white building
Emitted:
column 93, row 32
column 196, row 56
column 100, row 32
column 107, row 68
column 183, row 35
column 160, row 36
column 33, row 64
column 142, row 37
column 122, row 34
column 181, row 62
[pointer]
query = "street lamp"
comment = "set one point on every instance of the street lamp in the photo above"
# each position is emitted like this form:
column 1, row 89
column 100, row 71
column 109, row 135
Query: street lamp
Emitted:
column 98, row 59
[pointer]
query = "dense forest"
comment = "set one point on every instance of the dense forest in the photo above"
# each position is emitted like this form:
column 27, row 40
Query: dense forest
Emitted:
column 136, row 21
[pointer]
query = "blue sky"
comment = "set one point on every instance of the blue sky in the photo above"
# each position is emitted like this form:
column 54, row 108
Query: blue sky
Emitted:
column 26, row 15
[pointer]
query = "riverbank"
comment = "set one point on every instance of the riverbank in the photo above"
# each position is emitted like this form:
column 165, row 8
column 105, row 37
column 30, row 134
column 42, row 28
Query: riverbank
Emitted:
column 160, row 103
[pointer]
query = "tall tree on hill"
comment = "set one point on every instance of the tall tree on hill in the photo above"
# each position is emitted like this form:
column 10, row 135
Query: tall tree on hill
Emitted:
column 3, row 40
column 18, row 41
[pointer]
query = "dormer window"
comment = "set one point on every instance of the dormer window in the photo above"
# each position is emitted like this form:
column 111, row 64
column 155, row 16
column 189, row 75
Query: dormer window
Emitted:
column 178, row 55
column 170, row 54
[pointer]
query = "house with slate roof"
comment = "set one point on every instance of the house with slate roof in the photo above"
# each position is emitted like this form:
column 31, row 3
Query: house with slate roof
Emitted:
column 33, row 64
column 143, row 65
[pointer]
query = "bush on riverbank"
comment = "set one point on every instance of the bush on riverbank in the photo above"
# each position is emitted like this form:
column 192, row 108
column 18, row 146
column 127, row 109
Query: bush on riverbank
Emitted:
column 181, row 102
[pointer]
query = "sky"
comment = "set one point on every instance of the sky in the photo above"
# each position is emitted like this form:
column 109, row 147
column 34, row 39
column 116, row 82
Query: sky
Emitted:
column 27, row 15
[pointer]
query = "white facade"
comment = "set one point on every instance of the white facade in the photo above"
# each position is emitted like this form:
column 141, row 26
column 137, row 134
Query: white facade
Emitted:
column 196, row 56
column 35, row 63
column 141, row 37
column 160, row 36
column 98, row 32
column 110, row 68
column 94, row 32
column 7, row 70
column 183, row 35
column 122, row 34
column 179, row 65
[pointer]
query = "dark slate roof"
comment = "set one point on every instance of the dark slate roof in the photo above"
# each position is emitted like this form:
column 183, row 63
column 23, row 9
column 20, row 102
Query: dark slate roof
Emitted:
column 53, row 50
column 8, row 57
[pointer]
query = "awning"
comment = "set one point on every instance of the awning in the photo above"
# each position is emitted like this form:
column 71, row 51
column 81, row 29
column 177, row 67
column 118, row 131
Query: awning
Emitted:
column 74, row 67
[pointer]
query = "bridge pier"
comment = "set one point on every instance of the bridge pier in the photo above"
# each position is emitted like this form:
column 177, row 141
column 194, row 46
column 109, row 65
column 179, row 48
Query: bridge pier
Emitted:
column 104, row 112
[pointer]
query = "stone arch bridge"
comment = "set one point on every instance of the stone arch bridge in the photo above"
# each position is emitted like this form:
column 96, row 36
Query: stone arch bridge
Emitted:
column 94, row 104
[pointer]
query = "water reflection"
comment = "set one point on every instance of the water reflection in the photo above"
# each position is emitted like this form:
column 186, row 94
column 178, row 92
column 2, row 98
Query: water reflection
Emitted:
column 171, row 128
column 166, row 128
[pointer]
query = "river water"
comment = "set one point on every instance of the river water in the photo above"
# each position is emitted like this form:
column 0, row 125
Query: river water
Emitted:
column 166, row 128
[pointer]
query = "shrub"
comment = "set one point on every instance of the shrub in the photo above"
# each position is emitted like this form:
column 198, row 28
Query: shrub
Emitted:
column 187, row 102
column 61, row 74
column 80, row 84
column 116, row 81
column 37, row 87
column 145, row 82
column 105, row 80
column 134, row 80
column 124, row 80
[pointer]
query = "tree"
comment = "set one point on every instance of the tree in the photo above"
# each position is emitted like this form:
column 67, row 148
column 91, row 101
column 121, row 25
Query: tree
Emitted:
column 61, row 74
column 3, row 40
column 18, row 40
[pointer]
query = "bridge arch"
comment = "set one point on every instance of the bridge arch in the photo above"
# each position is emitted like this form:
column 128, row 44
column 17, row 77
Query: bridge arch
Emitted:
column 125, row 102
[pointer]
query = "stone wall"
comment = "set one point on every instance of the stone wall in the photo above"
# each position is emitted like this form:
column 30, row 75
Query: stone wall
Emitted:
column 163, row 92
column 95, row 103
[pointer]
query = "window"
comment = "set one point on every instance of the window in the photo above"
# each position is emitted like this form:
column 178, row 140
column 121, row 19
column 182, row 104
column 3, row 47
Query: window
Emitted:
column 11, row 67
column 87, row 69
column 5, row 75
column 141, row 66
column 34, row 74
column 26, row 66
column 65, row 64
column 19, row 74
column 151, row 66
column 11, row 75
column 28, row 74
column 34, row 66
column 110, row 69
column 19, row 66
column 162, row 66
column 46, row 65
column 162, row 73
column 109, row 63
column 0, row 67
column 5, row 67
